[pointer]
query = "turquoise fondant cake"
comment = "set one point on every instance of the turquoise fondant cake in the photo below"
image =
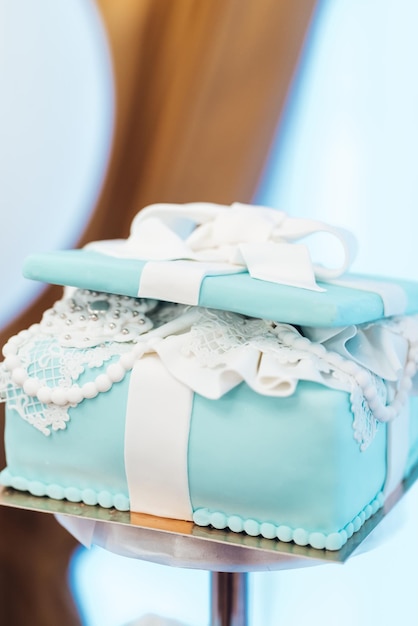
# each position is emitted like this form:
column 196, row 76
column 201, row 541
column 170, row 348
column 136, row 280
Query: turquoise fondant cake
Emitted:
column 238, row 385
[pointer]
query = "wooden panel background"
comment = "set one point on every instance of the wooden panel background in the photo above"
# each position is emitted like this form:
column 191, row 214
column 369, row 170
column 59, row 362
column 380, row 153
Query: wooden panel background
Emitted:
column 200, row 87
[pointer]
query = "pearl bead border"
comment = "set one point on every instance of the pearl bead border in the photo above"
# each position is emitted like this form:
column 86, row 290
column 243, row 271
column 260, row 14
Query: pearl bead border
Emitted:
column 34, row 388
column 89, row 496
column 115, row 372
column 300, row 536
column 203, row 516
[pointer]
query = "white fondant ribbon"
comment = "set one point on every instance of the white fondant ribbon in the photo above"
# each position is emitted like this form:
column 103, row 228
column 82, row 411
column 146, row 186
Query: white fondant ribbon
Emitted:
column 156, row 440
column 223, row 240
column 178, row 281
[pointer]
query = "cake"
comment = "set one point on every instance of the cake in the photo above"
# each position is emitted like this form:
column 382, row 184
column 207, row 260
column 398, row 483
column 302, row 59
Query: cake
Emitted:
column 206, row 369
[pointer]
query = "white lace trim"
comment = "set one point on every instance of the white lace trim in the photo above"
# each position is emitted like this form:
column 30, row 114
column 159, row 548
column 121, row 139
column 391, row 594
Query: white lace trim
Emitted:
column 52, row 366
column 221, row 342
column 210, row 351
column 87, row 331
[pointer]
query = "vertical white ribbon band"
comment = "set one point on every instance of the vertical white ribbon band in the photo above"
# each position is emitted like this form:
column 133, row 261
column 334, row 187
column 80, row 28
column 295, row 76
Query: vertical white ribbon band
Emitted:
column 179, row 281
column 156, row 441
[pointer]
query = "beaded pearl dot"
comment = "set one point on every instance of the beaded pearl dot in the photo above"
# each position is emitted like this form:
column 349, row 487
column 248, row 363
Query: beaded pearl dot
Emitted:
column 127, row 360
column 89, row 390
column 59, row 396
column 74, row 395
column 374, row 403
column 370, row 392
column 363, row 378
column 8, row 348
column 406, row 384
column 31, row 386
column 116, row 372
column 14, row 342
column 103, row 383
column 44, row 395
column 386, row 413
column 11, row 362
column 19, row 375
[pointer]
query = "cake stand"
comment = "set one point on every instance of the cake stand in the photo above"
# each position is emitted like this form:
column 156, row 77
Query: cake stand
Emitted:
column 229, row 557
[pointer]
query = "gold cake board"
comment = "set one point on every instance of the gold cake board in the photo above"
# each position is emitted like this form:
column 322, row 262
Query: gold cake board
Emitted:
column 228, row 556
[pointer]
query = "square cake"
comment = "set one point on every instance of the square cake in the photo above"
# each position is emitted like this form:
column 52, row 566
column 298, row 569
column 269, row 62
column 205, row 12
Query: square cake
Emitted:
column 206, row 369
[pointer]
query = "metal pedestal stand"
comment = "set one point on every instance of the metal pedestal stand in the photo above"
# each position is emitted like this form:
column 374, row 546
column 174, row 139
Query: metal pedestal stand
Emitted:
column 229, row 599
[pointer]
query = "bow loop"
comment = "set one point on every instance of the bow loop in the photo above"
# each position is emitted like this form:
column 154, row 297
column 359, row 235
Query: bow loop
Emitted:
column 232, row 239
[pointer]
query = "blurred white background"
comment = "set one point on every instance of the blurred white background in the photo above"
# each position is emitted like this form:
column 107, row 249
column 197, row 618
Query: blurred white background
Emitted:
column 56, row 121
column 348, row 151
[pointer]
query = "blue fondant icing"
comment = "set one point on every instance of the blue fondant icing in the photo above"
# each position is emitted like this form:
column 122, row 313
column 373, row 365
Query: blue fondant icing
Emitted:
column 292, row 459
column 336, row 306
column 89, row 453
column 286, row 468
column 317, row 540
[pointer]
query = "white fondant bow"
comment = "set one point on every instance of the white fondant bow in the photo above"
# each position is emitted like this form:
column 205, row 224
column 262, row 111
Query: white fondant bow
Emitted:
column 239, row 238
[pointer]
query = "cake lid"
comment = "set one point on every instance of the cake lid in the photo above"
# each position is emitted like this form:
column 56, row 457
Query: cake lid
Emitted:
column 247, row 259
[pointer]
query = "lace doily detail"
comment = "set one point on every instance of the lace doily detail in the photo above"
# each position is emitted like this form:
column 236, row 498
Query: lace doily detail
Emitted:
column 40, row 373
column 216, row 333
column 53, row 367
column 365, row 423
